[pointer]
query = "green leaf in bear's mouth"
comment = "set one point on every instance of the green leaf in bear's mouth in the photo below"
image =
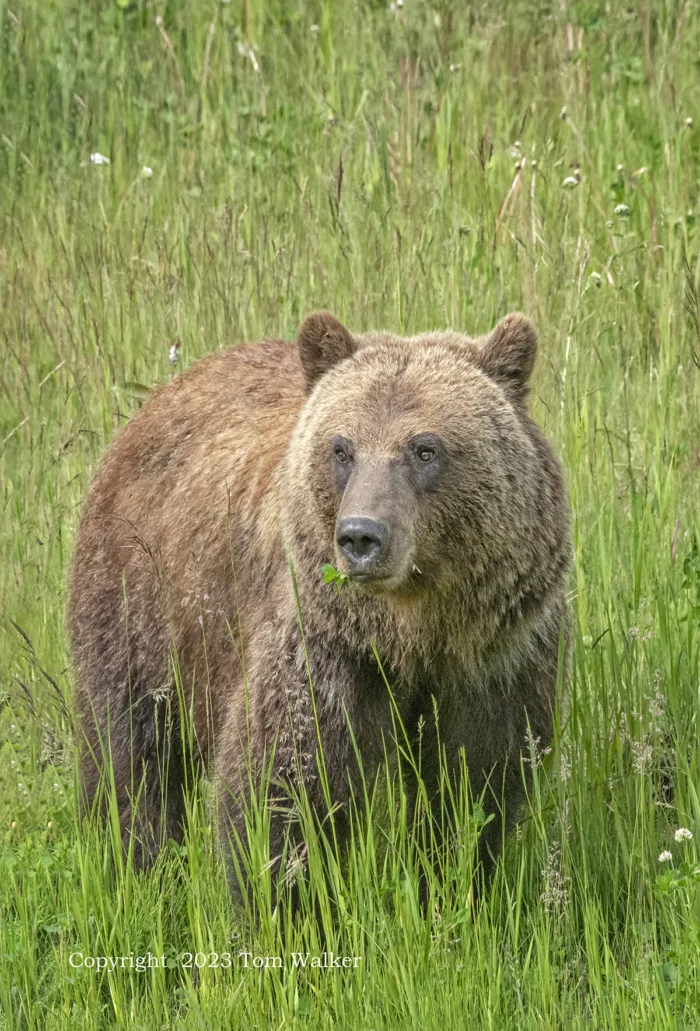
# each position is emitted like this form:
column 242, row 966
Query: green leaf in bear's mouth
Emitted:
column 331, row 575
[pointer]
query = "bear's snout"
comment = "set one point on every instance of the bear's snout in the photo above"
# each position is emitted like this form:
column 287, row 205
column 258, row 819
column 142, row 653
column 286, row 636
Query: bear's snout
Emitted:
column 362, row 542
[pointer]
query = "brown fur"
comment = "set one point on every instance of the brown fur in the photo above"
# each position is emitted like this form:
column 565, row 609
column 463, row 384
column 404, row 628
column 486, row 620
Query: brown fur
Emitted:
column 227, row 474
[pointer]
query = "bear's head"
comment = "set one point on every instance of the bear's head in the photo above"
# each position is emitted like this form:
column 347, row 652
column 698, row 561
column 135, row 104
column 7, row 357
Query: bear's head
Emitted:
column 414, row 463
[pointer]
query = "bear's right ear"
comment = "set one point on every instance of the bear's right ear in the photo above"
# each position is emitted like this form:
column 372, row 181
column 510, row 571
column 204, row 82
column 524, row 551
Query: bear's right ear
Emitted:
column 323, row 341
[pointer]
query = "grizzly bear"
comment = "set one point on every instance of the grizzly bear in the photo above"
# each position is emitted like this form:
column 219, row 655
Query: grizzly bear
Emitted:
column 412, row 466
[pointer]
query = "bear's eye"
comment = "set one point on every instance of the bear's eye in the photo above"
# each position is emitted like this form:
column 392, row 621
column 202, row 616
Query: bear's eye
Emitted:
column 341, row 456
column 425, row 454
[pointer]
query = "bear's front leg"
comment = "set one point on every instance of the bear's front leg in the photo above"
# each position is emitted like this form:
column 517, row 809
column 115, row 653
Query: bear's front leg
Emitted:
column 286, row 747
column 480, row 727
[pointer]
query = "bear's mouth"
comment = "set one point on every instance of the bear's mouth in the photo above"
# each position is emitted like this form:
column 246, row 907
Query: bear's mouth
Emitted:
column 384, row 582
column 367, row 578
column 398, row 583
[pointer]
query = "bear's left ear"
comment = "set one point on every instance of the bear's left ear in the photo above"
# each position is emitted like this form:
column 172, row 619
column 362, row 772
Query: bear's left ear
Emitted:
column 323, row 341
column 508, row 354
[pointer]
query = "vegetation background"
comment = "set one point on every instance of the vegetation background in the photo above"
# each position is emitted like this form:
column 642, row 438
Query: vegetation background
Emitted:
column 177, row 177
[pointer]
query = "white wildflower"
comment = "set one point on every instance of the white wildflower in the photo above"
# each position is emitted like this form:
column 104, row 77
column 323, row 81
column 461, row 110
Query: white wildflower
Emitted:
column 314, row 28
column 683, row 834
column 174, row 353
column 146, row 172
column 596, row 278
column 98, row 159
column 570, row 182
column 622, row 211
column 665, row 856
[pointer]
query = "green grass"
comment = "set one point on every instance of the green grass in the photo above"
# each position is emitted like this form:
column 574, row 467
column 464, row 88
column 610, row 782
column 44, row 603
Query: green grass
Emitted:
column 341, row 155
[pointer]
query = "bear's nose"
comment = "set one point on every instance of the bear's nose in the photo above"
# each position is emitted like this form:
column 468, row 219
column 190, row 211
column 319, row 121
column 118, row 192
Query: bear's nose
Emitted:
column 362, row 541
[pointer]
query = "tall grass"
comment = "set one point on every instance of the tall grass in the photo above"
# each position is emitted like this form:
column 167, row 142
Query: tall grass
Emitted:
column 362, row 159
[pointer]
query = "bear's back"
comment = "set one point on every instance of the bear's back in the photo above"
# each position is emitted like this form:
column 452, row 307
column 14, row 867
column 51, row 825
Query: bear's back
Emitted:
column 223, row 424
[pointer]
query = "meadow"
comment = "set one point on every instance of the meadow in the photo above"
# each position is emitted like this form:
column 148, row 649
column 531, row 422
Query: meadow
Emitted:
column 177, row 177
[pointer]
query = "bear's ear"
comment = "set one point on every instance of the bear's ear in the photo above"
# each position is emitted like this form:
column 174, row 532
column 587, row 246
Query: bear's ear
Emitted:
column 508, row 354
column 323, row 341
